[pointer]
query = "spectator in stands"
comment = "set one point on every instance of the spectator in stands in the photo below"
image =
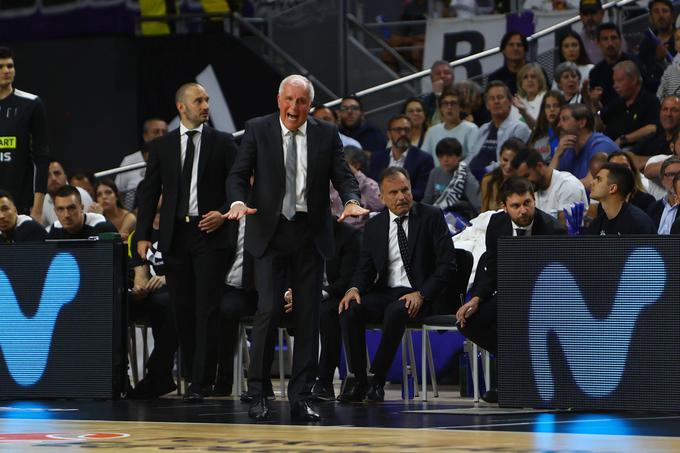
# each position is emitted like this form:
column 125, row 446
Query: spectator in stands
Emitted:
column 601, row 80
column 544, row 137
column 670, row 80
column 150, row 302
column 15, row 227
column 403, row 154
column 110, row 206
column 634, row 115
column 410, row 36
column 84, row 180
column 611, row 187
column 414, row 108
column 357, row 159
column 484, row 154
column 451, row 186
column 56, row 179
column 675, row 229
column 531, row 87
column 451, row 126
column 326, row 114
column 664, row 212
column 550, row 5
column 472, row 107
column 514, row 47
column 492, row 181
column 73, row 222
column 353, row 125
column 24, row 152
column 398, row 278
column 568, row 81
column 128, row 181
column 660, row 142
column 652, row 170
column 554, row 190
column 657, row 50
column 578, row 142
column 639, row 196
column 591, row 13
column 442, row 78
column 570, row 48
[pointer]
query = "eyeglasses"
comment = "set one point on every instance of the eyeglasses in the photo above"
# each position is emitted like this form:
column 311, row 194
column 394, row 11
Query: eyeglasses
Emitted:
column 449, row 103
column 417, row 110
column 350, row 108
column 670, row 174
column 405, row 130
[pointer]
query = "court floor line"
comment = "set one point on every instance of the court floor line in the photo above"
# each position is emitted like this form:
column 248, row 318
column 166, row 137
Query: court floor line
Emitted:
column 558, row 422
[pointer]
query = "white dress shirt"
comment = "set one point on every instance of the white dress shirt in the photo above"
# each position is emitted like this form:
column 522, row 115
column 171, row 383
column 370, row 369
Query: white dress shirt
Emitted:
column 516, row 227
column 398, row 162
column 235, row 274
column 301, row 175
column 193, row 191
column 397, row 272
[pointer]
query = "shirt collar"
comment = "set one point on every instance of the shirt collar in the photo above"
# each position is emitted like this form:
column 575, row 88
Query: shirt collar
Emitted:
column 183, row 129
column 302, row 130
column 394, row 216
column 517, row 227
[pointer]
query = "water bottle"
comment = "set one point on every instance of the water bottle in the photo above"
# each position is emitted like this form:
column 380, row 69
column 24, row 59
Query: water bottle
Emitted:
column 407, row 388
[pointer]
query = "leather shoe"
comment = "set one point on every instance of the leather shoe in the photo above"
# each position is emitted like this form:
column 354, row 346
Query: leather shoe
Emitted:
column 193, row 396
column 354, row 392
column 247, row 397
column 303, row 412
column 490, row 396
column 322, row 392
column 376, row 393
column 259, row 409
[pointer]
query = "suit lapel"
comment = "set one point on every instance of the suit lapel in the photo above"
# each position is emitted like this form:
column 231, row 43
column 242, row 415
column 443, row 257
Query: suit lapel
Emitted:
column 414, row 222
column 278, row 161
column 204, row 153
column 383, row 242
column 176, row 156
column 312, row 147
column 409, row 162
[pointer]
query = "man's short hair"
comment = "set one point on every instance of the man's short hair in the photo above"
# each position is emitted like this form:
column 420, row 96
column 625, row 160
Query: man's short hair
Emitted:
column 607, row 26
column 620, row 175
column 147, row 124
column 448, row 146
column 448, row 93
column 668, row 162
column 582, row 112
column 357, row 157
column 497, row 84
column 665, row 2
column 397, row 118
column 5, row 53
column 508, row 36
column 391, row 172
column 67, row 191
column 440, row 63
column 590, row 6
column 528, row 156
column 298, row 80
column 515, row 185
column 181, row 91
column 630, row 69
column 354, row 98
column 6, row 194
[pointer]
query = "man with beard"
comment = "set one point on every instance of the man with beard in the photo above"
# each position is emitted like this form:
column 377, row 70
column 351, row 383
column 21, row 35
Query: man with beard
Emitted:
column 554, row 189
column 601, row 78
column 15, row 227
column 56, row 179
column 354, row 125
column 477, row 317
column 401, row 154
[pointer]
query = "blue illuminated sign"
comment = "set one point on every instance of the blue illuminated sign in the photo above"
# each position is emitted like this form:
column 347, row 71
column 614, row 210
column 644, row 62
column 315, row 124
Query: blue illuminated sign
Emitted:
column 595, row 357
column 26, row 342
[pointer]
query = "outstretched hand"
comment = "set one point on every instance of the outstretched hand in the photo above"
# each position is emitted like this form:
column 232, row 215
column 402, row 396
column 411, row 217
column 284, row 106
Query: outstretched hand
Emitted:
column 353, row 210
column 237, row 211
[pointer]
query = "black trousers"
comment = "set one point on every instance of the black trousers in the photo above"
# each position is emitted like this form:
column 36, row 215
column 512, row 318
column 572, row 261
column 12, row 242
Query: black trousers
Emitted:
column 376, row 306
column 236, row 303
column 291, row 259
column 481, row 328
column 195, row 275
column 156, row 311
column 330, row 340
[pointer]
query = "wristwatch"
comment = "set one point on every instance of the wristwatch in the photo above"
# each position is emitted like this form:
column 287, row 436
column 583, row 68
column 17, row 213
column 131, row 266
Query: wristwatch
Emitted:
column 353, row 202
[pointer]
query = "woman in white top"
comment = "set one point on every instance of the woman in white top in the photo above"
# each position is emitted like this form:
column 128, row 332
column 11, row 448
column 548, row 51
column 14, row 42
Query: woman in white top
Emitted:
column 531, row 87
column 571, row 49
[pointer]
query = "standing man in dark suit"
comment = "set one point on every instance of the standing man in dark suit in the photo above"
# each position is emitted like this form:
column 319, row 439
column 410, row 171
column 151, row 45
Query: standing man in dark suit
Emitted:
column 189, row 166
column 289, row 232
column 418, row 163
column 406, row 262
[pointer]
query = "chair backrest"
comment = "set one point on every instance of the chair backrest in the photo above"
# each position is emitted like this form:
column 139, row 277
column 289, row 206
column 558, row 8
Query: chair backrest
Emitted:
column 464, row 263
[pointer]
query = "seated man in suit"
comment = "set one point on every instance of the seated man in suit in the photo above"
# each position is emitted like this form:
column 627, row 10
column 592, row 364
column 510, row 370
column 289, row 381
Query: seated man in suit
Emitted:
column 418, row 163
column 406, row 261
column 664, row 211
column 15, row 227
column 477, row 317
column 73, row 222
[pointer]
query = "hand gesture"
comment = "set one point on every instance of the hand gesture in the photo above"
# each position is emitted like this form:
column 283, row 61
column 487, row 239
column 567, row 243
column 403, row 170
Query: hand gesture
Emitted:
column 351, row 295
column 238, row 210
column 353, row 210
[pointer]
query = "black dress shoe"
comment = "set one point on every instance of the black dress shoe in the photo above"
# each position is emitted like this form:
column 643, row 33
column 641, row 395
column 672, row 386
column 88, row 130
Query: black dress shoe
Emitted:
column 221, row 389
column 376, row 393
column 259, row 409
column 303, row 412
column 247, row 397
column 490, row 396
column 193, row 396
column 148, row 389
column 322, row 392
column 354, row 392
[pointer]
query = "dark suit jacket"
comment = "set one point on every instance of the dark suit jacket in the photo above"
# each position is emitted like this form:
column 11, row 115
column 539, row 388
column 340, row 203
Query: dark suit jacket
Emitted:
column 261, row 151
column 340, row 268
column 486, row 283
column 675, row 228
column 418, row 163
column 655, row 211
column 430, row 248
column 163, row 173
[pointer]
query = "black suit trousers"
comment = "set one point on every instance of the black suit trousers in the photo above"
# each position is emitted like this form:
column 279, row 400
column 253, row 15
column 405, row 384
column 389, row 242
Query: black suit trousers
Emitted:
column 377, row 306
column 195, row 275
column 481, row 327
column 330, row 340
column 291, row 258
